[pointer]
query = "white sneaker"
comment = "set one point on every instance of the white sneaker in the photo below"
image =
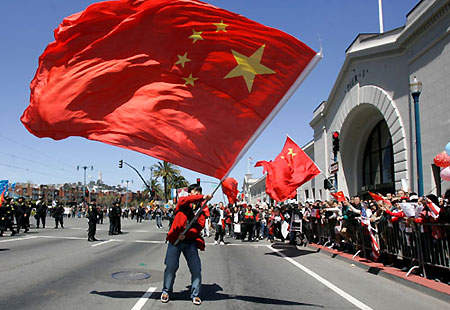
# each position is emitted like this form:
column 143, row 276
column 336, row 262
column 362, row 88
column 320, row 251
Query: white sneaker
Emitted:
column 215, row 241
column 222, row 243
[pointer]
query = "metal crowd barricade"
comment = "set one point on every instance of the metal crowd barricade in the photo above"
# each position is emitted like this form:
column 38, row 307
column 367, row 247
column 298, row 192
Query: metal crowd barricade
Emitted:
column 421, row 244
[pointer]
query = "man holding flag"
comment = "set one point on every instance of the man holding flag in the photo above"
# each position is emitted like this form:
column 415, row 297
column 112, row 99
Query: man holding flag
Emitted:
column 187, row 243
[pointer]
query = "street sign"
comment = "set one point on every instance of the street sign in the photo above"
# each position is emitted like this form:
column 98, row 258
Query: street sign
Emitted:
column 334, row 167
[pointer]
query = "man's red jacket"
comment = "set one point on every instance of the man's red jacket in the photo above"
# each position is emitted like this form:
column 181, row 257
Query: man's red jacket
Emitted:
column 183, row 214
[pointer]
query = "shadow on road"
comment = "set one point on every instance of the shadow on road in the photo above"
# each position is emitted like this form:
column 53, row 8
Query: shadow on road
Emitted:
column 289, row 250
column 210, row 292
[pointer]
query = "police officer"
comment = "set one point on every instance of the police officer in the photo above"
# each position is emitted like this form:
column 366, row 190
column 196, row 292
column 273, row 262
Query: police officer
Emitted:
column 112, row 219
column 20, row 213
column 117, row 214
column 92, row 215
column 58, row 214
column 41, row 212
column 7, row 216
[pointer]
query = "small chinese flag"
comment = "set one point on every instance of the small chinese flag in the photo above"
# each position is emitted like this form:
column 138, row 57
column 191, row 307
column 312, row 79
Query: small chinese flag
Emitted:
column 179, row 80
column 339, row 196
column 290, row 169
column 376, row 197
column 230, row 189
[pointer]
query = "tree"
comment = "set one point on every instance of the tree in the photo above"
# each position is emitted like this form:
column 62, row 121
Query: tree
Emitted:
column 156, row 186
column 179, row 181
column 167, row 172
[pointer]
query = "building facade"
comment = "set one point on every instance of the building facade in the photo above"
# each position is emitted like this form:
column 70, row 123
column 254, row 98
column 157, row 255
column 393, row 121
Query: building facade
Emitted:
column 371, row 108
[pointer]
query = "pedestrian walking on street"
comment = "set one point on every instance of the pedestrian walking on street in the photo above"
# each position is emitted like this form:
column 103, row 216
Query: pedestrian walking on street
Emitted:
column 159, row 213
column 220, row 226
column 188, row 244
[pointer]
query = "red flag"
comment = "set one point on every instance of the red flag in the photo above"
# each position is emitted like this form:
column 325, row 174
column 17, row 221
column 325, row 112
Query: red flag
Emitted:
column 339, row 196
column 230, row 189
column 179, row 80
column 2, row 197
column 290, row 169
column 434, row 209
column 376, row 197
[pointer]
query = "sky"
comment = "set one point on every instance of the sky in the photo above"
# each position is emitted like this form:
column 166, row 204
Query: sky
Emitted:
column 26, row 28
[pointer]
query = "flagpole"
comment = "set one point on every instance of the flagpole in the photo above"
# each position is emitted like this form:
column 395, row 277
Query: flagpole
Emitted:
column 380, row 15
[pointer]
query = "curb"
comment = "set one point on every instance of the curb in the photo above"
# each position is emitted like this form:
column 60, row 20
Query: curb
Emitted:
column 430, row 287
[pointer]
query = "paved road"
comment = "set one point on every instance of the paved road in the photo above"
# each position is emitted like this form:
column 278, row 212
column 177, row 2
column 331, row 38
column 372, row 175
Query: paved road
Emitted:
column 58, row 269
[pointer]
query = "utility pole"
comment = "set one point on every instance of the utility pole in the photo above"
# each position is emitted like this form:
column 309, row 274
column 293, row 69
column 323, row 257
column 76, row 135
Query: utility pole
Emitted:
column 126, row 193
column 151, row 176
column 84, row 187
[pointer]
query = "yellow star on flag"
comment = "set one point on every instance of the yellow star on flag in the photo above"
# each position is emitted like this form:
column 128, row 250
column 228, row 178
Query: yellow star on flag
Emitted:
column 248, row 67
column 291, row 152
column 196, row 35
column 182, row 59
column 220, row 26
column 190, row 80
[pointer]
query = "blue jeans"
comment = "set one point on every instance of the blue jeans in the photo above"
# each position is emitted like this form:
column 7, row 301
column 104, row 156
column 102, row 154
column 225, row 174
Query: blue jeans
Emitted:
column 172, row 261
column 158, row 221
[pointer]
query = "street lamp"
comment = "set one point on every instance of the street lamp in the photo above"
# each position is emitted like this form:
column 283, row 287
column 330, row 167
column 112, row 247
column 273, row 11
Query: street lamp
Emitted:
column 126, row 193
column 84, row 168
column 416, row 89
column 151, row 177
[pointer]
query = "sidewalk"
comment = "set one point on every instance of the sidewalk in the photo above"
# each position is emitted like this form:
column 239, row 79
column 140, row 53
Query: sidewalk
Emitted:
column 430, row 287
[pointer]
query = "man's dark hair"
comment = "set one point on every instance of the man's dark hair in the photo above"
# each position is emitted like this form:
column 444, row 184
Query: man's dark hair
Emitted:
column 194, row 187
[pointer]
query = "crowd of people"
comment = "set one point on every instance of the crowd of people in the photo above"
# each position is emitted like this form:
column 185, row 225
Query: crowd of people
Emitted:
column 415, row 228
column 15, row 214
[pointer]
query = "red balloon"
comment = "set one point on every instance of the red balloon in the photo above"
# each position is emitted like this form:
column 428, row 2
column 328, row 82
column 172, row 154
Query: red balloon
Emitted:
column 442, row 160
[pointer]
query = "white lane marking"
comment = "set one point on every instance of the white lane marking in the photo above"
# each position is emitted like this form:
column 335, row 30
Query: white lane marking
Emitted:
column 325, row 282
column 130, row 230
column 63, row 237
column 104, row 242
column 142, row 241
column 141, row 302
column 18, row 239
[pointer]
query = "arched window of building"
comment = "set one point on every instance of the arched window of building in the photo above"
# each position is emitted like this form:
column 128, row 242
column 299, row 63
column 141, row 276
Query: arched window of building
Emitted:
column 378, row 163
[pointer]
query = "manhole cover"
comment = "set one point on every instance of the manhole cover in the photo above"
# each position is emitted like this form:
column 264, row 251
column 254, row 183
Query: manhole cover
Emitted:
column 130, row 275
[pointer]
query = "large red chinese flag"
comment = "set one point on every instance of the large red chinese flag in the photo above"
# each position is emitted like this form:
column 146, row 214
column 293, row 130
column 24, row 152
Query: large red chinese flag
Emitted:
column 290, row 169
column 230, row 189
column 179, row 80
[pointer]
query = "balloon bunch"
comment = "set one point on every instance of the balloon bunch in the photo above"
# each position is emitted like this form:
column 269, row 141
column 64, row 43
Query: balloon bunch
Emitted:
column 443, row 160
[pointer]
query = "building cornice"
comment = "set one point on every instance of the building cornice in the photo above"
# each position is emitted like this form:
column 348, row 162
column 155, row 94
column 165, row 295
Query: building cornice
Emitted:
column 390, row 43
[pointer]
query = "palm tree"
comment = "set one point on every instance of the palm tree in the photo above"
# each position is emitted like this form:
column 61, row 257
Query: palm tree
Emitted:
column 167, row 172
column 178, row 181
column 156, row 186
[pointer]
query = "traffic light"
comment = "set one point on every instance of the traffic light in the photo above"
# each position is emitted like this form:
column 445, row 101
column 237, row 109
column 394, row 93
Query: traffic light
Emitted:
column 335, row 143
column 327, row 184
column 120, row 163
column 153, row 193
column 86, row 193
column 198, row 181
